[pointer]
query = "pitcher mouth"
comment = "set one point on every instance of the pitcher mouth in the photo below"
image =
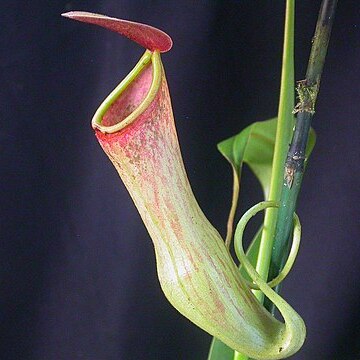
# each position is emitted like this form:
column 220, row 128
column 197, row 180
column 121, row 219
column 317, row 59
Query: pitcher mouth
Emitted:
column 131, row 97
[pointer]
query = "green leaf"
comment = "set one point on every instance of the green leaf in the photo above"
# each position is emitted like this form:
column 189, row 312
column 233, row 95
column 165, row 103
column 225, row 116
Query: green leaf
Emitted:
column 220, row 351
column 255, row 146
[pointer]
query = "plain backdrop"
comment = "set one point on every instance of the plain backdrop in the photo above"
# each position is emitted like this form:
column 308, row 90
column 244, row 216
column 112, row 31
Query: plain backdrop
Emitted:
column 77, row 268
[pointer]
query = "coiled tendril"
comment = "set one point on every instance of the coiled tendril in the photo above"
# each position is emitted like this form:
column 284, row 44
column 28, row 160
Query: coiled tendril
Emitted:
column 240, row 253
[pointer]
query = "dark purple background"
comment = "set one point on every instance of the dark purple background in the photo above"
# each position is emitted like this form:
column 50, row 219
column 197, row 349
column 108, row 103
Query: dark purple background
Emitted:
column 78, row 276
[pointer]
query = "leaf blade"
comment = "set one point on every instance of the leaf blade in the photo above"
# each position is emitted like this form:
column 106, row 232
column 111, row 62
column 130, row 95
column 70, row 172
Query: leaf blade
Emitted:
column 254, row 146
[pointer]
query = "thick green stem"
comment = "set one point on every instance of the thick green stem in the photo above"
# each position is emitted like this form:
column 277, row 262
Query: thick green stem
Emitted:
column 295, row 161
column 283, row 136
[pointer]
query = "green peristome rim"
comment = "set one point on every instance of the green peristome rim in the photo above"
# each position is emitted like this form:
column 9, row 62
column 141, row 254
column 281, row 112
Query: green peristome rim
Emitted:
column 154, row 58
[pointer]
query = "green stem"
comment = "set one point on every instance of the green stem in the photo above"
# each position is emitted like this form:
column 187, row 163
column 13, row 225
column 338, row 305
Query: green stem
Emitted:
column 283, row 136
column 294, row 166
